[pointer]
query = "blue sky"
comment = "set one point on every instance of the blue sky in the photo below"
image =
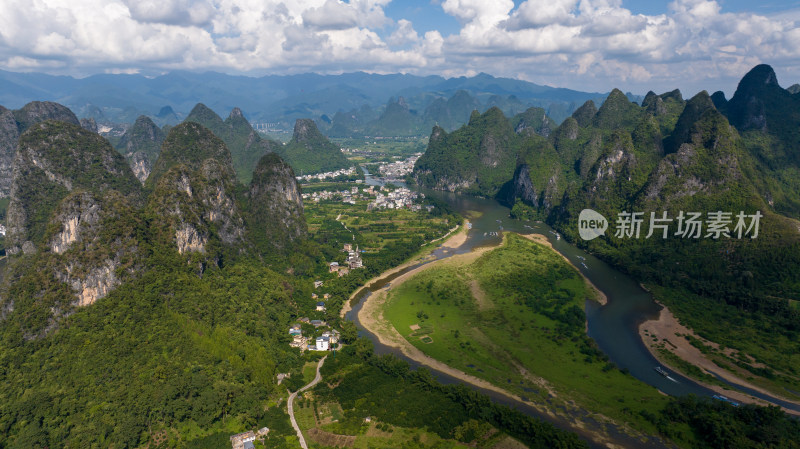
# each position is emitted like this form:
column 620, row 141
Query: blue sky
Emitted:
column 582, row 44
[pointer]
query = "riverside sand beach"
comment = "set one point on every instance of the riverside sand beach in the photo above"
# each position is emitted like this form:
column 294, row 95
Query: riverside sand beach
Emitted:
column 666, row 328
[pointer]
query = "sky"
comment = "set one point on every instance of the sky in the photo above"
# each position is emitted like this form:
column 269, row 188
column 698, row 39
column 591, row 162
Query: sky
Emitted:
column 588, row 45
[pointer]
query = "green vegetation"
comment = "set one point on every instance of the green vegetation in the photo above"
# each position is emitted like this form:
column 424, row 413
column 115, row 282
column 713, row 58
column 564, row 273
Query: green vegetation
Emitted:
column 161, row 352
column 409, row 409
column 668, row 155
column 245, row 145
column 311, row 152
column 144, row 136
column 705, row 423
column 515, row 318
column 388, row 238
column 478, row 158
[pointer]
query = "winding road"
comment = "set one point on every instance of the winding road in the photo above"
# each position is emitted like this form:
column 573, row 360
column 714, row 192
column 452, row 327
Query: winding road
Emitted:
column 290, row 404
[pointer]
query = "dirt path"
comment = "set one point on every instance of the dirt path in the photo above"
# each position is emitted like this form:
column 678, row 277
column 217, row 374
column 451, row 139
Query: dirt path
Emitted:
column 667, row 327
column 481, row 300
column 290, row 403
column 538, row 238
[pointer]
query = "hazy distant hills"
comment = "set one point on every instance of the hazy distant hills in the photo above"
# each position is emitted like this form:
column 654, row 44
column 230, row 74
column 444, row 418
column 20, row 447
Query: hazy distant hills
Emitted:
column 278, row 100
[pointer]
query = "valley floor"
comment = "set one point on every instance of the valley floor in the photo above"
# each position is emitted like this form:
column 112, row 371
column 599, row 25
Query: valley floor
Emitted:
column 529, row 380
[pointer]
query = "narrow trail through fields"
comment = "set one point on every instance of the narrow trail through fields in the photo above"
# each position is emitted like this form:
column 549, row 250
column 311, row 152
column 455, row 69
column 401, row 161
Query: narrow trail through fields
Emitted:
column 290, row 404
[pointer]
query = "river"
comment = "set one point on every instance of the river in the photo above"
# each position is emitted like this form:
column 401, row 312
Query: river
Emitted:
column 613, row 326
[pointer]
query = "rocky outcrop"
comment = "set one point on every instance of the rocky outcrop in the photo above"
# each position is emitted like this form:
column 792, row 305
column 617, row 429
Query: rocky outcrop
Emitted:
column 89, row 124
column 522, row 187
column 55, row 158
column 141, row 145
column 9, row 136
column 276, row 203
column 534, row 121
column 95, row 245
column 706, row 163
column 80, row 211
column 13, row 123
column 195, row 196
column 40, row 111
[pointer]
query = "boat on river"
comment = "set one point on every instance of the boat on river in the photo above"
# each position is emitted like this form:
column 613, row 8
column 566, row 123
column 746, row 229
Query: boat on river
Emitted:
column 722, row 398
column 661, row 371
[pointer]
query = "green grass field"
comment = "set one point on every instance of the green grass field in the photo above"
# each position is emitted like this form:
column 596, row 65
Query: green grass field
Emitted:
column 515, row 318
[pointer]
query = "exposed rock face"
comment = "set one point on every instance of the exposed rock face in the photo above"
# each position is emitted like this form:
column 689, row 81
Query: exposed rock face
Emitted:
column 80, row 211
column 13, row 123
column 71, row 218
column 89, row 124
column 97, row 242
column 54, row 158
column 534, row 121
column 707, row 163
column 141, row 145
column 522, row 187
column 245, row 145
column 276, row 202
column 9, row 135
column 480, row 156
column 195, row 195
column 653, row 104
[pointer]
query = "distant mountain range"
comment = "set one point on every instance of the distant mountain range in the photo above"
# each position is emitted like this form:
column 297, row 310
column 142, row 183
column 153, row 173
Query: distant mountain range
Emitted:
column 277, row 101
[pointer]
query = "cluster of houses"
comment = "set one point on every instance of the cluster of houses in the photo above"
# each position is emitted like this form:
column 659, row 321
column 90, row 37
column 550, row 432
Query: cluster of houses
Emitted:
column 346, row 196
column 245, row 440
column 329, row 174
column 396, row 199
column 323, row 342
column 353, row 262
column 400, row 168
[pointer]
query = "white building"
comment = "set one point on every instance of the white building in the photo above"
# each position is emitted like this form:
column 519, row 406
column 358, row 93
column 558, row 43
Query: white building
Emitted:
column 323, row 343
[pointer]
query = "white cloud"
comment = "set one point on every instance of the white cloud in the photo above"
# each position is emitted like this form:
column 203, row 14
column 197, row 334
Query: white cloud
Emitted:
column 171, row 12
column 586, row 44
column 539, row 13
column 404, row 34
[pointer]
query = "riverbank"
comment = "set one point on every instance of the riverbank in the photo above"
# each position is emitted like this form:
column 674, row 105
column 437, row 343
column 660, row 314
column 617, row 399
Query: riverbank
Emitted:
column 599, row 426
column 600, row 297
column 666, row 328
column 453, row 239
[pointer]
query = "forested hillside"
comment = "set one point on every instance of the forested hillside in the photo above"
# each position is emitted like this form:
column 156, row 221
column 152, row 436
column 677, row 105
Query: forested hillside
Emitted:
column 730, row 160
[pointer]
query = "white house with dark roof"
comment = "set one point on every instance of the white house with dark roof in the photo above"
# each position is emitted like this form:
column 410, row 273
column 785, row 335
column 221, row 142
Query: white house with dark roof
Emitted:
column 323, row 343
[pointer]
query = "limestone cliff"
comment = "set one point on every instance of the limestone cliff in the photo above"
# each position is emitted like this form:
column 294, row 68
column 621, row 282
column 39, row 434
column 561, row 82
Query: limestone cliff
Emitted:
column 13, row 123
column 141, row 145
column 276, row 204
column 194, row 193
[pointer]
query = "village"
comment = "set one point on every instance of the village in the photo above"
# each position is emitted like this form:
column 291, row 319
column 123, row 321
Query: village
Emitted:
column 399, row 169
column 384, row 197
column 327, row 175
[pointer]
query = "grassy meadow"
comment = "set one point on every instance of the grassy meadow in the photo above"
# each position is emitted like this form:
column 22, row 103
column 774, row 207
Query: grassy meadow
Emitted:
column 515, row 318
